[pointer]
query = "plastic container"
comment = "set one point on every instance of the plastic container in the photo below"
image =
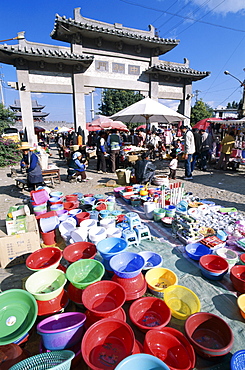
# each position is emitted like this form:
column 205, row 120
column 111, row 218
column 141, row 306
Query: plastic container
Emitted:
column 167, row 348
column 108, row 222
column 237, row 276
column 196, row 250
column 210, row 335
column 149, row 208
column 95, row 349
column 58, row 360
column 113, row 232
column 241, row 304
column 104, row 298
column 238, row 358
column 159, row 213
column 149, row 313
column 72, row 198
column 96, row 233
column 85, row 272
column 54, row 305
column 48, row 224
column 58, row 194
column 182, row 301
column 111, row 246
column 49, row 238
column 39, row 196
column 141, row 361
column 170, row 211
column 67, row 226
column 214, row 263
column 229, row 255
column 80, row 250
column 159, row 278
column 134, row 287
column 46, row 284
column 18, row 313
column 81, row 216
column 127, row 264
column 62, row 331
column 152, row 260
column 79, row 235
column 44, row 258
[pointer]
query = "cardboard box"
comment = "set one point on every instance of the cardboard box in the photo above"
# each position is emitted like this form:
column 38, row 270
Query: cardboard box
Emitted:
column 14, row 248
column 16, row 222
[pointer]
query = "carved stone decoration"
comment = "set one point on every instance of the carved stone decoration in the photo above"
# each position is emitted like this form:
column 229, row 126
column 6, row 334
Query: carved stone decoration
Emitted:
column 156, row 51
column 99, row 41
column 21, row 62
column 78, row 68
column 177, row 79
column 166, row 78
column 119, row 45
column 138, row 49
column 77, row 38
column 60, row 66
column 41, row 64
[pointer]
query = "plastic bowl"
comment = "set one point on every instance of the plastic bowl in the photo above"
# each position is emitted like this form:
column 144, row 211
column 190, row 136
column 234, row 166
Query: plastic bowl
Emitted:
column 141, row 361
column 242, row 258
column 237, row 276
column 182, row 301
column 85, row 272
column 135, row 287
column 79, row 250
column 209, row 334
column 149, row 313
column 196, row 250
column 238, row 360
column 158, row 279
column 18, row 313
column 212, row 275
column 152, row 259
column 58, row 360
column 46, row 284
column 127, row 264
column 106, row 343
column 167, row 348
column 229, row 255
column 109, row 247
column 44, row 258
column 241, row 304
column 104, row 298
column 62, row 331
column 214, row 263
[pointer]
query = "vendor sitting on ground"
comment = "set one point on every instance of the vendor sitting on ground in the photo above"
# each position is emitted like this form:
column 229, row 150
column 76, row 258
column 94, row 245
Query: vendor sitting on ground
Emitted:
column 144, row 169
column 77, row 167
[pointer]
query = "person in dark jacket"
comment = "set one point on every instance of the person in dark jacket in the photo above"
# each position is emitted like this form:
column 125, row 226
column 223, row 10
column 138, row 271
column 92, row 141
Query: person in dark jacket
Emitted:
column 144, row 169
column 101, row 152
column 78, row 166
column 30, row 162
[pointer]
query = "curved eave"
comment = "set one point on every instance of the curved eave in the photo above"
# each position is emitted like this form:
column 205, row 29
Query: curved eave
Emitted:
column 178, row 71
column 8, row 54
column 36, row 109
column 35, row 114
column 65, row 28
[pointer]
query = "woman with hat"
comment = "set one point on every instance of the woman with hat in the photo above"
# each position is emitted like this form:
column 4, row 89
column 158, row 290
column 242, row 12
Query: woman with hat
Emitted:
column 31, row 163
column 76, row 165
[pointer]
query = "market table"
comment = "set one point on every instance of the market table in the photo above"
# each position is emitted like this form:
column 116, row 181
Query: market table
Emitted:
column 53, row 173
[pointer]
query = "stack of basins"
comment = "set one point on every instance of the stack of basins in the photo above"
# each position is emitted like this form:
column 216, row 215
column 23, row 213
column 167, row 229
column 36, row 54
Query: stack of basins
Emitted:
column 213, row 267
column 39, row 199
column 158, row 279
column 81, row 274
column 110, row 247
column 47, row 287
column 47, row 227
column 127, row 267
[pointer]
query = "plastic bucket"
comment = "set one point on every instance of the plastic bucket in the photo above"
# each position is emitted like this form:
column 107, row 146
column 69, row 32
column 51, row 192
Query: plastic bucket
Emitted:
column 110, row 206
column 149, row 209
column 87, row 224
column 94, row 215
column 62, row 214
column 111, row 246
column 108, row 222
column 104, row 213
column 100, row 206
column 48, row 224
column 72, row 198
column 96, row 234
column 67, row 226
column 48, row 238
column 170, row 211
column 82, row 216
column 57, row 207
column 159, row 213
column 79, row 235
column 89, row 200
column 58, row 194
column 113, row 232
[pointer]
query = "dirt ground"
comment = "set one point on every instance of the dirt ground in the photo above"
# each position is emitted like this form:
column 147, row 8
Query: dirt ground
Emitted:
column 224, row 188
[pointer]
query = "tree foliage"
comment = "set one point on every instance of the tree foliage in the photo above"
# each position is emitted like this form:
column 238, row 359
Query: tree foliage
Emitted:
column 233, row 105
column 6, row 118
column 114, row 100
column 9, row 153
column 200, row 111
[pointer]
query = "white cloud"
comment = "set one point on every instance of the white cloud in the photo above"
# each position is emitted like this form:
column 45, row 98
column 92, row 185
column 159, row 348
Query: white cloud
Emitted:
column 38, row 95
column 227, row 6
column 173, row 104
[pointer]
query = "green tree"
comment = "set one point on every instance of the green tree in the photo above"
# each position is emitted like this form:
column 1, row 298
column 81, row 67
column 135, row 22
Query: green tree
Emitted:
column 200, row 111
column 6, row 118
column 114, row 100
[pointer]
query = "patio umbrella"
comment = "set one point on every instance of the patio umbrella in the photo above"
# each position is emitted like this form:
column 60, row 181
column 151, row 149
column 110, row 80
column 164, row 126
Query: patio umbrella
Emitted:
column 141, row 126
column 205, row 123
column 64, row 129
column 148, row 110
column 103, row 123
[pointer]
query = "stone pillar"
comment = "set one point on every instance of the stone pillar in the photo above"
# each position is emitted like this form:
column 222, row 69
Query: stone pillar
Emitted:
column 185, row 104
column 78, row 101
column 25, row 103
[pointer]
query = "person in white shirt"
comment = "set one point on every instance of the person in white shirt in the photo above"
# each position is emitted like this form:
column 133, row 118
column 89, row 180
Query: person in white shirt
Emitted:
column 173, row 167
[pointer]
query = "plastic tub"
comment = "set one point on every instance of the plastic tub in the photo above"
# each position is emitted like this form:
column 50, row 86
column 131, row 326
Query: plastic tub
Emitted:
column 214, row 263
column 237, row 276
column 209, row 334
column 48, row 224
column 80, row 250
column 62, row 331
column 79, row 235
column 96, row 233
column 113, row 232
column 67, row 226
column 108, row 222
column 104, row 298
column 95, row 349
column 182, row 301
column 72, row 198
column 196, row 250
column 54, row 305
column 159, row 213
column 44, row 258
column 149, row 313
column 18, row 313
column 111, row 246
column 159, row 278
column 241, row 304
column 238, row 358
column 81, row 216
column 85, row 272
column 152, row 259
column 49, row 238
column 127, row 264
column 46, row 284
column 141, row 361
column 58, row 194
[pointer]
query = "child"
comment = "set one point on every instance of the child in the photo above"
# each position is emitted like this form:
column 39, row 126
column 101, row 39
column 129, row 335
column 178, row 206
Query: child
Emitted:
column 173, row 167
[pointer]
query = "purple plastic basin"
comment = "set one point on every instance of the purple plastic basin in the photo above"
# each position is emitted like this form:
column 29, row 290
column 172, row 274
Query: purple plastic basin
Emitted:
column 62, row 331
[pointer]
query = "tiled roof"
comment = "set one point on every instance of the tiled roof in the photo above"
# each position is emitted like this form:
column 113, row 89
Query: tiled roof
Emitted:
column 109, row 29
column 174, row 69
column 44, row 52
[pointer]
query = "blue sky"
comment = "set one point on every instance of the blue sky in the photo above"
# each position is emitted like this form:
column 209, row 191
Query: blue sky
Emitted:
column 211, row 34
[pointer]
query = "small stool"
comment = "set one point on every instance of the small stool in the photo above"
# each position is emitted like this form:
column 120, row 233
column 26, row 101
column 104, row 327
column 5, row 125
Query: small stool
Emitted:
column 143, row 233
column 133, row 220
column 131, row 237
